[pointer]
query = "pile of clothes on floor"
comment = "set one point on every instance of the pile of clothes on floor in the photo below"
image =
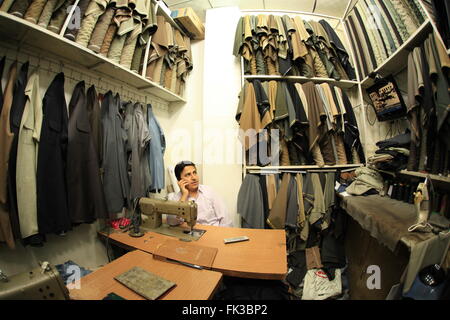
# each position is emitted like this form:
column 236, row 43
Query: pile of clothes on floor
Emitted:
column 318, row 272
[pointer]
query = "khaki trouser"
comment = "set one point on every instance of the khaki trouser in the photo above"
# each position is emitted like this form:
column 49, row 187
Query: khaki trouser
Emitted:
column 317, row 155
column 19, row 7
column 163, row 73
column 115, row 50
column 72, row 33
column 340, row 148
column 157, row 71
column 174, row 78
column 100, row 30
column 93, row 13
column 137, row 58
column 46, row 13
column 6, row 234
column 327, row 150
column 168, row 77
column 109, row 36
column 59, row 17
column 34, row 10
column 128, row 50
column 6, row 5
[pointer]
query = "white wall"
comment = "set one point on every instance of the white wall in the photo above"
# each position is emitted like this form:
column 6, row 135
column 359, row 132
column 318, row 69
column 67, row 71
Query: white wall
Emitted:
column 182, row 122
column 222, row 156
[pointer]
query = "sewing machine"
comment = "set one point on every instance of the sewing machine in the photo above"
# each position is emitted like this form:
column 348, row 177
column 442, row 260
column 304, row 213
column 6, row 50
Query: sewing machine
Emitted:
column 153, row 209
column 41, row 283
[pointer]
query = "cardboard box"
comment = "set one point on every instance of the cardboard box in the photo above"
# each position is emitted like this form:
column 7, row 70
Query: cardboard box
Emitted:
column 189, row 22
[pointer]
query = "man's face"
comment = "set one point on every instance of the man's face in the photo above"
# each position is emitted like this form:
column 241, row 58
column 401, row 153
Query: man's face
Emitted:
column 189, row 174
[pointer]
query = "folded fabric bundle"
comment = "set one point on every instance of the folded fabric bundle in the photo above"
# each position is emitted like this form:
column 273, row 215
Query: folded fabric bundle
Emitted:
column 366, row 179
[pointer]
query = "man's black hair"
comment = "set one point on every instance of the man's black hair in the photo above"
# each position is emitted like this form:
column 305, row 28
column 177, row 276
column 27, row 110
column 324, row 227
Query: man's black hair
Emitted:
column 180, row 166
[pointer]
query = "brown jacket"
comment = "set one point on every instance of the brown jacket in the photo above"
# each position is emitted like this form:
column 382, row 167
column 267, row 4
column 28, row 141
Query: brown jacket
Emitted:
column 6, row 138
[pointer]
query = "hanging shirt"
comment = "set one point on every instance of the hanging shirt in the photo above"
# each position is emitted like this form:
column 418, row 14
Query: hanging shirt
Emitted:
column 211, row 209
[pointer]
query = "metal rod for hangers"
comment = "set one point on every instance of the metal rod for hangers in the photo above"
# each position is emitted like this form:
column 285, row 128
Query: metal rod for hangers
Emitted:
column 293, row 12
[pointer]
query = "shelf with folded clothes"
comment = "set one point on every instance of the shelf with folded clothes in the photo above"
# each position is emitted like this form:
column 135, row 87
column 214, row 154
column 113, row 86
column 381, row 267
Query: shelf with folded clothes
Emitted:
column 345, row 84
column 24, row 34
column 162, row 12
column 399, row 59
column 304, row 167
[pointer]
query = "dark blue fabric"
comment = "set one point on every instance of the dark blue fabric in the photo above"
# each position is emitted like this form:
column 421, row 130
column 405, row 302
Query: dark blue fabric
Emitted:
column 68, row 270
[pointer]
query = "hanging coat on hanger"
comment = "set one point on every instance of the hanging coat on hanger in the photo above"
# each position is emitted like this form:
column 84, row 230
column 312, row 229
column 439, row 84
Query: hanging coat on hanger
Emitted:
column 6, row 138
column 29, row 134
column 341, row 52
column 115, row 180
column 18, row 105
column 156, row 151
column 85, row 191
column 93, row 109
column 137, row 149
column 53, row 213
column 250, row 203
column 277, row 215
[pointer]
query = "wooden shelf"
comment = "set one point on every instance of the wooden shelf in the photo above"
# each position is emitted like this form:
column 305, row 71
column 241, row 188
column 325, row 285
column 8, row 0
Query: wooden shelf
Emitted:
column 426, row 175
column 24, row 34
column 399, row 59
column 346, row 84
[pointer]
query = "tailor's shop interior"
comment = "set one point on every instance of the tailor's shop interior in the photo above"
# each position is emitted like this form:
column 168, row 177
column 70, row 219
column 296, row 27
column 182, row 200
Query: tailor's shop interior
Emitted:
column 224, row 150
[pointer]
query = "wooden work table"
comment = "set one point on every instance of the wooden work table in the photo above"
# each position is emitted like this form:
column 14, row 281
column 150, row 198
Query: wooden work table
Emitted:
column 261, row 257
column 191, row 284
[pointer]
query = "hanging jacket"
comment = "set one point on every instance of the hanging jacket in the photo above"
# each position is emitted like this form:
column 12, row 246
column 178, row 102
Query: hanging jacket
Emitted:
column 53, row 212
column 17, row 107
column 138, row 138
column 29, row 135
column 156, row 151
column 116, row 185
column 341, row 52
column 85, row 191
column 250, row 203
column 6, row 138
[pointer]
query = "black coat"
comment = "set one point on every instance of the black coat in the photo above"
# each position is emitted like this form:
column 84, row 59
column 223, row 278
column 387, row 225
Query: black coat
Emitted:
column 53, row 212
column 85, row 192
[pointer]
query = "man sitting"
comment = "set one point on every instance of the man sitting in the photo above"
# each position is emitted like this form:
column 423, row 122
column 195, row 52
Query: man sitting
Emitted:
column 211, row 209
